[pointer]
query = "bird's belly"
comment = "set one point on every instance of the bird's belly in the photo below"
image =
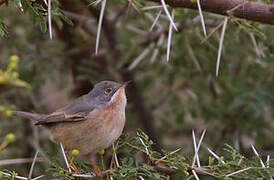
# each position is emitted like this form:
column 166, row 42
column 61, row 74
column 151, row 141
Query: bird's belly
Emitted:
column 90, row 135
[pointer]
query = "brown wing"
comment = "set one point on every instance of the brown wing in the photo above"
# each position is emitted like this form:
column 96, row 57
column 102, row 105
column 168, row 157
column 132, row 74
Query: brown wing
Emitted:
column 75, row 111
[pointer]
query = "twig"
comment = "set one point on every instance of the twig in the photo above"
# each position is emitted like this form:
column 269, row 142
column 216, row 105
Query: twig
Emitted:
column 84, row 175
column 139, row 58
column 193, row 57
column 95, row 3
column 240, row 161
column 17, row 177
column 120, row 14
column 91, row 175
column 155, row 20
column 152, row 19
column 32, row 165
column 195, row 175
column 156, row 50
column 221, row 46
column 136, row 30
column 19, row 161
column 164, row 157
column 239, row 171
column 115, row 155
column 39, row 177
column 151, row 7
column 257, row 50
column 134, row 6
column 212, row 32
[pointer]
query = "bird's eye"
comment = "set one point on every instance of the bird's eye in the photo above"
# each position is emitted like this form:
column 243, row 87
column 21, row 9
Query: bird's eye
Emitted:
column 108, row 91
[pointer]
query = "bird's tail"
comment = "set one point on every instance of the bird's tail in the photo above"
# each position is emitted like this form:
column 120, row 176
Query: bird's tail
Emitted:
column 28, row 115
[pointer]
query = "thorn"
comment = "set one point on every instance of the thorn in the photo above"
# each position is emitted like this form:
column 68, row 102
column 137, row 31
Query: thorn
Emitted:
column 256, row 153
column 32, row 165
column 65, row 158
column 170, row 35
column 221, row 46
column 168, row 14
column 202, row 17
column 239, row 171
column 49, row 19
column 215, row 155
column 103, row 5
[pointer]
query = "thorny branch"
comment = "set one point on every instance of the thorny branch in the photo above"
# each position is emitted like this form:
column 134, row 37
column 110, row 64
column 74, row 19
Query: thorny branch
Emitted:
column 160, row 169
column 253, row 11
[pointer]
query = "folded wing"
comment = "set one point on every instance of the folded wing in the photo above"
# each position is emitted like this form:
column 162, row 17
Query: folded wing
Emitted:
column 75, row 111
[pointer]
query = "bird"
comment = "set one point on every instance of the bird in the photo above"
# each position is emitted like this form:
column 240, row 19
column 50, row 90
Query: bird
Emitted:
column 90, row 123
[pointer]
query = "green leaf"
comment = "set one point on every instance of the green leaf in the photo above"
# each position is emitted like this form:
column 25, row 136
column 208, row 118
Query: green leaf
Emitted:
column 3, row 30
column 66, row 19
column 17, row 2
column 43, row 26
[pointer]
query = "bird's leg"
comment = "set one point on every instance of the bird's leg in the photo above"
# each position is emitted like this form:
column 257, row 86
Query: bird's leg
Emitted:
column 72, row 164
column 102, row 152
column 97, row 170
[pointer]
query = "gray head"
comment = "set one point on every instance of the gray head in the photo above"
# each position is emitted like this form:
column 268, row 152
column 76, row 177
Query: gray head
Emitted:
column 103, row 92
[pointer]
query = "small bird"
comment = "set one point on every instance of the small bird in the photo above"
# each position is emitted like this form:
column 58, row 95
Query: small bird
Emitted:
column 90, row 123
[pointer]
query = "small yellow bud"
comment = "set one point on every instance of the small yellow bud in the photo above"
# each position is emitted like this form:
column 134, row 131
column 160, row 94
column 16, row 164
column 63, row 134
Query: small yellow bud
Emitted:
column 10, row 137
column 193, row 1
column 1, row 175
column 15, row 75
column 75, row 152
column 2, row 79
column 12, row 66
column 14, row 59
column 8, row 113
column 102, row 152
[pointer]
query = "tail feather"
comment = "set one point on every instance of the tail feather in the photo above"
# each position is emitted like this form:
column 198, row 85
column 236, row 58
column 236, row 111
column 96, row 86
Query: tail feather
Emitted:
column 28, row 115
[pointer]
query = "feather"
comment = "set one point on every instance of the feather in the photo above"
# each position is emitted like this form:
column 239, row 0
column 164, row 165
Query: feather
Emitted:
column 28, row 115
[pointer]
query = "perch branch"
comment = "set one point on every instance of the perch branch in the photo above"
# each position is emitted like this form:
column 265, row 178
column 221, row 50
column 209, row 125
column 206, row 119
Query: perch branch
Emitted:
column 253, row 11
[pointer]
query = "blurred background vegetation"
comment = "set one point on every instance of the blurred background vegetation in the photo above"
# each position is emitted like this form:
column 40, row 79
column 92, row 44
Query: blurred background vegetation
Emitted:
column 165, row 99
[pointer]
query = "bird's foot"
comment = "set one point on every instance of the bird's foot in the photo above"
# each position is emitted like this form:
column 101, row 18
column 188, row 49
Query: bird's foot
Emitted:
column 76, row 170
column 97, row 170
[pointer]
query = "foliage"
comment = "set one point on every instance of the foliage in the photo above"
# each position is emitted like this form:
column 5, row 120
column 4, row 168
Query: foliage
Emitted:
column 166, row 100
column 11, row 76
column 161, row 166
column 38, row 14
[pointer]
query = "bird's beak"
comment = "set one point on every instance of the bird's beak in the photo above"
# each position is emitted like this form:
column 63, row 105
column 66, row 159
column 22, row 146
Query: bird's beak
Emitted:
column 126, row 83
